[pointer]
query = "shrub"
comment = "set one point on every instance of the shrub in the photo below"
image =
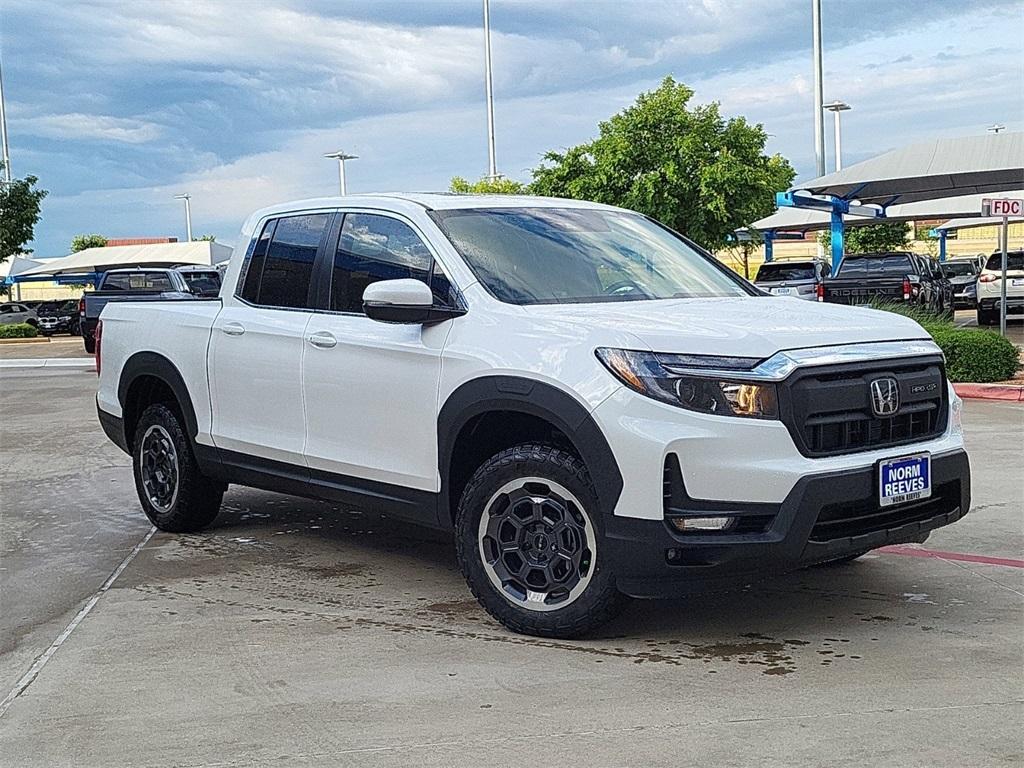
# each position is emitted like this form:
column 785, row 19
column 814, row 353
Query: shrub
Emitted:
column 18, row 331
column 972, row 354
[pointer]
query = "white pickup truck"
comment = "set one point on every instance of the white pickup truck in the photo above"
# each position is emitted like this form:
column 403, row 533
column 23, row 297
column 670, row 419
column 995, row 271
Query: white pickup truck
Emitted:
column 589, row 401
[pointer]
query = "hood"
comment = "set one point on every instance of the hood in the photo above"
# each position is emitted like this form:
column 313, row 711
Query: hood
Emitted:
column 745, row 327
column 963, row 279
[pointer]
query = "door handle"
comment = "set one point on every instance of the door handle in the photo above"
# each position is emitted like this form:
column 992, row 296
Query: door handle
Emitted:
column 323, row 340
column 233, row 329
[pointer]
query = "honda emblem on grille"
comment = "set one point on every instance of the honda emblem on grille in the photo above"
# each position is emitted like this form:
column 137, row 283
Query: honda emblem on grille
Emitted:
column 885, row 396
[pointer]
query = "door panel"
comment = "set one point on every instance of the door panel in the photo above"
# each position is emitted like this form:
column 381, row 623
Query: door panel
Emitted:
column 371, row 399
column 256, row 382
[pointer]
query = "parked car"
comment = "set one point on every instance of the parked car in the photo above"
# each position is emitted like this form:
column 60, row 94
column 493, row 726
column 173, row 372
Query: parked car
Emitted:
column 963, row 277
column 792, row 278
column 136, row 284
column 591, row 403
column 897, row 276
column 990, row 283
column 60, row 316
column 12, row 312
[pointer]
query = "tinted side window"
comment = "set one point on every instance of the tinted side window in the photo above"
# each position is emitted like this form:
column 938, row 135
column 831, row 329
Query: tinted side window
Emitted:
column 288, row 266
column 252, row 271
column 373, row 248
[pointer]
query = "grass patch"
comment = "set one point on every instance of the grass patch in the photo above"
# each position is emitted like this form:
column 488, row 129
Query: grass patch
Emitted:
column 972, row 354
column 18, row 331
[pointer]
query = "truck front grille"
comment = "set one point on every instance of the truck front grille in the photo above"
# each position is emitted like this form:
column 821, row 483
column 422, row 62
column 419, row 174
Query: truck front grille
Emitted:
column 828, row 410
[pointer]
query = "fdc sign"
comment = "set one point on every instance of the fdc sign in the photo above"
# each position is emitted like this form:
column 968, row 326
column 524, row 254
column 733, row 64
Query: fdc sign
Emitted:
column 1002, row 207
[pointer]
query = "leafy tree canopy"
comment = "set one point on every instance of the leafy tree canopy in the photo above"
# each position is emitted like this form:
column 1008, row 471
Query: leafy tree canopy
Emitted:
column 19, row 212
column 81, row 242
column 690, row 168
column 871, row 238
column 204, row 238
column 487, row 186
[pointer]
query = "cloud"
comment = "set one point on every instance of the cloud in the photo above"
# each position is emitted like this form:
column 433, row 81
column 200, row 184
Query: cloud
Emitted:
column 82, row 127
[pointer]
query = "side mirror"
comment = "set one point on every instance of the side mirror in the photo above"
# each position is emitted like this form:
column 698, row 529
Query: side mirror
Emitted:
column 404, row 301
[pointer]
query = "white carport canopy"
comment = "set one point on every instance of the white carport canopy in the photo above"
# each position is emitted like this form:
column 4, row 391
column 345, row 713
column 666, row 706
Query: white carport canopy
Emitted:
column 806, row 220
column 941, row 168
column 977, row 221
column 15, row 266
column 153, row 255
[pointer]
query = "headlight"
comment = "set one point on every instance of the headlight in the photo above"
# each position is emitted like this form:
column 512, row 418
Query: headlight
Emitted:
column 677, row 380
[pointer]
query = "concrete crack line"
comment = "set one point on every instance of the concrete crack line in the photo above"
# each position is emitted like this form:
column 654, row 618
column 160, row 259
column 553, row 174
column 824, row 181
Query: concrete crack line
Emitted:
column 41, row 662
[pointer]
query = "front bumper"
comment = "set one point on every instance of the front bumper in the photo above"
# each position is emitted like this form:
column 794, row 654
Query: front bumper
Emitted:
column 824, row 517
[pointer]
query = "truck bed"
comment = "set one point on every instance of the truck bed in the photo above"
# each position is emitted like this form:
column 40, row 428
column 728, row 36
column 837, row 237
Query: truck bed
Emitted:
column 862, row 290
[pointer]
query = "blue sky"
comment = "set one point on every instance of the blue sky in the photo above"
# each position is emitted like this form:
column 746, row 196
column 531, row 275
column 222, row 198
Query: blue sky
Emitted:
column 117, row 106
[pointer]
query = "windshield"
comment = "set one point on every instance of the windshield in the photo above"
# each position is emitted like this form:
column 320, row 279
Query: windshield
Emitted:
column 777, row 272
column 896, row 264
column 1014, row 262
column 575, row 255
column 959, row 268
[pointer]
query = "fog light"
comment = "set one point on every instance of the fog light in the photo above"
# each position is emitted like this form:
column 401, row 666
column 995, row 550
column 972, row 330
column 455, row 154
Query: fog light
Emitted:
column 686, row 524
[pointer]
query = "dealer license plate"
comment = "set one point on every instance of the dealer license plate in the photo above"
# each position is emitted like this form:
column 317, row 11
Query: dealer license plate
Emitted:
column 1017, row 281
column 907, row 478
column 784, row 291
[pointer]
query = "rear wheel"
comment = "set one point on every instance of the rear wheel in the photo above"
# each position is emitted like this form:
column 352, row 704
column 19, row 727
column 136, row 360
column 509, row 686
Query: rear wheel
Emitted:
column 530, row 543
column 90, row 344
column 987, row 316
column 174, row 494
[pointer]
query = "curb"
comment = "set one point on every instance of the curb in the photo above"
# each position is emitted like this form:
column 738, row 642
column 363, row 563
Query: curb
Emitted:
column 49, row 362
column 1013, row 393
column 30, row 340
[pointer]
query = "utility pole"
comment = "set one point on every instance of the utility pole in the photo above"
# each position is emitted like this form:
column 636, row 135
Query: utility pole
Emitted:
column 492, row 165
column 3, row 132
column 819, row 118
column 835, row 107
column 188, row 213
column 341, row 157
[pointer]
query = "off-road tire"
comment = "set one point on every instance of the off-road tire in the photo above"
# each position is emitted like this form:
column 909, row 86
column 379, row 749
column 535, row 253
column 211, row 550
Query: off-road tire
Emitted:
column 599, row 601
column 196, row 498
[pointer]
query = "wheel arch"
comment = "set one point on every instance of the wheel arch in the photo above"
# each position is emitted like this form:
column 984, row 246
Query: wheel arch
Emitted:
column 149, row 377
column 524, row 404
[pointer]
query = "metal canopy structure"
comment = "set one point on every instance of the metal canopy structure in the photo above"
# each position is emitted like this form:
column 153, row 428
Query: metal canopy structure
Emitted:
column 91, row 261
column 920, row 173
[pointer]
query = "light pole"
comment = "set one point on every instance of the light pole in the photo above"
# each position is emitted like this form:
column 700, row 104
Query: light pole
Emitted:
column 3, row 133
column 341, row 157
column 188, row 213
column 819, row 126
column 835, row 107
column 996, row 128
column 492, row 163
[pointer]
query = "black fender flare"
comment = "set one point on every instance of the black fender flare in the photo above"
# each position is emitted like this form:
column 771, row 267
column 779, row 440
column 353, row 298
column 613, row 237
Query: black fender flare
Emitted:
column 536, row 398
column 159, row 367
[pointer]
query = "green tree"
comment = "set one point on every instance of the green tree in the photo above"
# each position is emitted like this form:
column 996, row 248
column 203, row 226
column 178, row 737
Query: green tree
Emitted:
column 690, row 168
column 204, row 239
column 871, row 238
column 487, row 186
column 81, row 242
column 19, row 212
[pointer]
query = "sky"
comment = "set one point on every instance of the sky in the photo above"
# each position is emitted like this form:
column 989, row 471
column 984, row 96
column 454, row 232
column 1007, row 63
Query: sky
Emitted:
column 118, row 106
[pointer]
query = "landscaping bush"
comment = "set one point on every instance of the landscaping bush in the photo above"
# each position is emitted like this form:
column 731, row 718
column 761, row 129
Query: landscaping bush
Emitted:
column 972, row 354
column 18, row 331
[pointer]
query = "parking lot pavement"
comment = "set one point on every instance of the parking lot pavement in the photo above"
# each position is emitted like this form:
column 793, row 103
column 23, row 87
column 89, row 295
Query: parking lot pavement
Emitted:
column 296, row 633
column 967, row 318
column 56, row 347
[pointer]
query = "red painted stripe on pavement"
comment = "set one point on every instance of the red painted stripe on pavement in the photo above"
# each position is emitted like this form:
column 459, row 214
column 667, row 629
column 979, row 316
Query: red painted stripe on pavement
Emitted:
column 902, row 549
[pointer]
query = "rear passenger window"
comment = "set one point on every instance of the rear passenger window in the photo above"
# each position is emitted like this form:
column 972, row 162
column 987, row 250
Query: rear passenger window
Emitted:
column 281, row 267
column 373, row 248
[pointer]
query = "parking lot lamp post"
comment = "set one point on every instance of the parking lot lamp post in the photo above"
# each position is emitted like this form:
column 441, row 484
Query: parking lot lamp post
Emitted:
column 341, row 157
column 819, row 128
column 492, row 163
column 3, row 133
column 188, row 213
column 996, row 128
column 835, row 107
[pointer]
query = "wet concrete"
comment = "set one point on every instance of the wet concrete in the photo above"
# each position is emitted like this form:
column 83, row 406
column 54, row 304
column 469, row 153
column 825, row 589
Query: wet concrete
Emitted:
column 299, row 633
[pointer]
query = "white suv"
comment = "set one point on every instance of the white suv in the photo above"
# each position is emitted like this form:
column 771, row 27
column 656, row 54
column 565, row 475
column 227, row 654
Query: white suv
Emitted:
column 990, row 287
column 591, row 403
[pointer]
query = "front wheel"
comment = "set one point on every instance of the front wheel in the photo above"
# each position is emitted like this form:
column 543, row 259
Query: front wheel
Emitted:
column 174, row 494
column 987, row 317
column 530, row 543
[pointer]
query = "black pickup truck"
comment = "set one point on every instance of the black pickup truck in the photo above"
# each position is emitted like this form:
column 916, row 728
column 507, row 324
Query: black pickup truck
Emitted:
column 143, row 284
column 895, row 276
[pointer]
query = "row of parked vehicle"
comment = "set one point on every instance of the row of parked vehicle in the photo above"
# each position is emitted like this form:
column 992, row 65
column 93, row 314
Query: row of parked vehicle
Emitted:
column 78, row 317
column 904, row 277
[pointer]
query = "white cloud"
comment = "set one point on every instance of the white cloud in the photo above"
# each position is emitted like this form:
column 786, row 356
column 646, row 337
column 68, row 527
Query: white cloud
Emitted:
column 76, row 126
